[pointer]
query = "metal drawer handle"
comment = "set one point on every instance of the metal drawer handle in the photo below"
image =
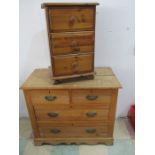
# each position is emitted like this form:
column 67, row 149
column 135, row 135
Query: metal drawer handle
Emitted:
column 91, row 130
column 52, row 114
column 89, row 97
column 91, row 114
column 55, row 131
column 50, row 98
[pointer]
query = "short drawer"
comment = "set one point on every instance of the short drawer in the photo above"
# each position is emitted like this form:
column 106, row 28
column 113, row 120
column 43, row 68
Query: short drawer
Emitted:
column 69, row 65
column 49, row 97
column 91, row 96
column 71, row 18
column 90, row 131
column 72, row 43
column 52, row 114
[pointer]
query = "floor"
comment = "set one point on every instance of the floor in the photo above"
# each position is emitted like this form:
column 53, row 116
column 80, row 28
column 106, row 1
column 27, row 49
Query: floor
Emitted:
column 123, row 145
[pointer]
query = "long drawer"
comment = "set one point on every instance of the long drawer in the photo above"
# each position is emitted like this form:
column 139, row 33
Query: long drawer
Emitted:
column 90, row 131
column 72, row 114
column 71, row 18
column 75, row 64
column 72, row 43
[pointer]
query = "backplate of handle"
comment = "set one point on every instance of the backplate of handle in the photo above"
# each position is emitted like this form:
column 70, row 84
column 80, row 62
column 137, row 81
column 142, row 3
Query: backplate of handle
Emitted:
column 91, row 114
column 91, row 97
column 52, row 114
column 50, row 98
column 91, row 130
column 55, row 131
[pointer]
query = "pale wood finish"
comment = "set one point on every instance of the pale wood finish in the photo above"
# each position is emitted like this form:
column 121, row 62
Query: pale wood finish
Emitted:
column 72, row 42
column 104, row 78
column 59, row 96
column 101, row 131
column 76, row 140
column 71, row 32
column 82, row 96
column 72, row 116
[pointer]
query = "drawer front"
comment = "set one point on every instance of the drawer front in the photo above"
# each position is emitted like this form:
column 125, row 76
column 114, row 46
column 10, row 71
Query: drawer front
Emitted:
column 71, row 18
column 89, row 131
column 69, row 65
column 49, row 97
column 72, row 43
column 53, row 114
column 92, row 96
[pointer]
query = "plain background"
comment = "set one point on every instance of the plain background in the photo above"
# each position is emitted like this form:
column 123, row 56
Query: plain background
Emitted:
column 114, row 45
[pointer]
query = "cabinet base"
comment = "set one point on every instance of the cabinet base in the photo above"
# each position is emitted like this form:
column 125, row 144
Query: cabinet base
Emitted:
column 54, row 141
column 70, row 78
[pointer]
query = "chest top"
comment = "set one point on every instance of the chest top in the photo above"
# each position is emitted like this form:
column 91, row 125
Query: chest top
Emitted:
column 104, row 79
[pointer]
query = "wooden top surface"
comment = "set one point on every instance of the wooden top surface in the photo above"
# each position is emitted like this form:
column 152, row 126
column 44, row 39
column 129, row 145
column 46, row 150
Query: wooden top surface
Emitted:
column 43, row 5
column 104, row 79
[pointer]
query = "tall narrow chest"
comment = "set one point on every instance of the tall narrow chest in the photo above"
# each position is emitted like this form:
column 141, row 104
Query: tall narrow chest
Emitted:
column 71, row 36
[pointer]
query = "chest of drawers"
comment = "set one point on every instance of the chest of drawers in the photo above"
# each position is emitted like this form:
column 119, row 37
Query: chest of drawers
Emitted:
column 71, row 35
column 75, row 112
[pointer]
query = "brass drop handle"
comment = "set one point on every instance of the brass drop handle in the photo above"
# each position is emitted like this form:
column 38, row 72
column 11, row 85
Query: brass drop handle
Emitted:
column 50, row 98
column 91, row 114
column 91, row 97
column 55, row 131
column 91, row 130
column 52, row 114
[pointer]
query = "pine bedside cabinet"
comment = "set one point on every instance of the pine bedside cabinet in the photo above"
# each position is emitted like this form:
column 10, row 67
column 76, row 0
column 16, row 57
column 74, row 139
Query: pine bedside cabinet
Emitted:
column 81, row 112
column 71, row 37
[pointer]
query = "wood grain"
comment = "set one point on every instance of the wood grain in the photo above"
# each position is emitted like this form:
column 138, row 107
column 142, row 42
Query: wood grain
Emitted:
column 72, row 114
column 104, row 79
column 43, row 5
column 76, row 140
column 71, row 30
column 72, row 42
column 73, row 117
column 82, row 96
column 75, row 64
column 74, row 131
column 71, row 18
column 59, row 96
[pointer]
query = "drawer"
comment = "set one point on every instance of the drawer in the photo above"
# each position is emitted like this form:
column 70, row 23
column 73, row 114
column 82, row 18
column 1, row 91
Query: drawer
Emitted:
column 49, row 97
column 92, row 96
column 72, row 43
column 69, row 65
column 53, row 114
column 89, row 131
column 71, row 18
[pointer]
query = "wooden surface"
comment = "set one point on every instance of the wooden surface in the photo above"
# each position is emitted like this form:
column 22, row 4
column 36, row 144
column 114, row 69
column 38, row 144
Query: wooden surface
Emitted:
column 72, row 42
column 71, row 32
column 104, row 78
column 68, row 4
column 76, row 140
column 71, row 18
column 77, row 112
column 70, row 65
